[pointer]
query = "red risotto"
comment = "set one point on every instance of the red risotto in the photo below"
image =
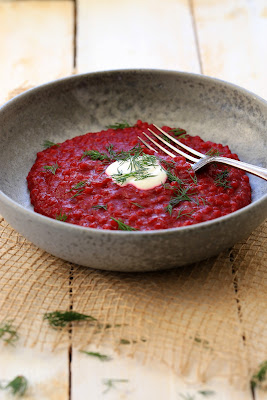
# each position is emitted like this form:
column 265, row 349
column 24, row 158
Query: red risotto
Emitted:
column 68, row 182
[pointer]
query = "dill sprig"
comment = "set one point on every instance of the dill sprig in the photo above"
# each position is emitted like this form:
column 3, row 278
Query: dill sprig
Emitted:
column 212, row 152
column 77, row 193
column 101, row 357
column 78, row 185
column 206, row 393
column 179, row 132
column 119, row 125
column 174, row 178
column 181, row 194
column 59, row 319
column 221, row 179
column 47, row 144
column 61, row 217
column 138, row 169
column 99, row 206
column 137, row 204
column 122, row 226
column 111, row 383
column 8, row 333
column 52, row 168
column 17, row 386
column 168, row 140
column 95, row 155
column 186, row 214
column 260, row 376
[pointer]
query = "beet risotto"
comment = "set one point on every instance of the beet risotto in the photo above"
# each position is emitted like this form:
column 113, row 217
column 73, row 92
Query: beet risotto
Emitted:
column 108, row 180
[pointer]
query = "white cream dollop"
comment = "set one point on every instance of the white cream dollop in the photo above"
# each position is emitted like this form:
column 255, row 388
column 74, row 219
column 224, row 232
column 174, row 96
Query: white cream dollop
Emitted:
column 156, row 174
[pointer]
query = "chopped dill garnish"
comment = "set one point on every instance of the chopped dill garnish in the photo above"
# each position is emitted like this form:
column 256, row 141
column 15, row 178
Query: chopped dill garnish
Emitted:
column 47, row 144
column 59, row 319
column 137, row 204
column 221, row 179
column 181, row 194
column 138, row 168
column 179, row 132
column 101, row 357
column 181, row 214
column 212, row 152
column 125, row 341
column 77, row 193
column 259, row 377
column 169, row 164
column 17, row 386
column 111, row 383
column 78, row 185
column 168, row 140
column 194, row 178
column 61, row 217
column 95, row 155
column 174, row 178
column 98, row 206
column 52, row 168
column 119, row 125
column 8, row 333
column 206, row 393
column 122, row 226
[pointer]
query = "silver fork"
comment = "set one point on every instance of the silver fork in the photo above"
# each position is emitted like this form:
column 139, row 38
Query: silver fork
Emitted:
column 199, row 159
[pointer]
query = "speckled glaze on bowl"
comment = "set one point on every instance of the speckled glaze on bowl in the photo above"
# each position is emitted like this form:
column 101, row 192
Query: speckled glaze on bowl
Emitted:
column 63, row 109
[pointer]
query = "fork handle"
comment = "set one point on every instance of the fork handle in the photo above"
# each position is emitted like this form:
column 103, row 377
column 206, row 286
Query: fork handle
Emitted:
column 253, row 169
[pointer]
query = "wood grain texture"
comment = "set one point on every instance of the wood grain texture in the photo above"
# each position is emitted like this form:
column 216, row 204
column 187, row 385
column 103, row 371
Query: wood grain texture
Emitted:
column 232, row 39
column 135, row 34
column 36, row 43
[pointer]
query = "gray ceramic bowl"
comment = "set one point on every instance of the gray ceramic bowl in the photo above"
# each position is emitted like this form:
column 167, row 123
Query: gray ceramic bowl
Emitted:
column 213, row 109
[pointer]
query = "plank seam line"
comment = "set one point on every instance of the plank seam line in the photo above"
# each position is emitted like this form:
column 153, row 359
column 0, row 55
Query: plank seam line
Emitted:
column 193, row 18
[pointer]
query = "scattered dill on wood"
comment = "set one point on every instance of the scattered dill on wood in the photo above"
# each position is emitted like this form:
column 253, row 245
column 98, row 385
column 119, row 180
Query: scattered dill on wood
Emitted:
column 59, row 319
column 8, row 333
column 259, row 377
column 111, row 383
column 101, row 357
column 17, row 386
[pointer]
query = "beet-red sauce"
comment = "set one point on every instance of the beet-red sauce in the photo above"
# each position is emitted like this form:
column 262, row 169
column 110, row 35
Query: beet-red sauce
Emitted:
column 53, row 194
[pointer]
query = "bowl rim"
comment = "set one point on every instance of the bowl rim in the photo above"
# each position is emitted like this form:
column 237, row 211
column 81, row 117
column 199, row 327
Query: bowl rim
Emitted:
column 42, row 219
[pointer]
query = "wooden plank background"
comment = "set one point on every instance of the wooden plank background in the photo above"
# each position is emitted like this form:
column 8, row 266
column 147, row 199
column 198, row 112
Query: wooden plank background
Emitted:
column 45, row 40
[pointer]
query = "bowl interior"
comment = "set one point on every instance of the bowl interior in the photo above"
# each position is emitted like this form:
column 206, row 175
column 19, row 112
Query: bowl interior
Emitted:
column 61, row 110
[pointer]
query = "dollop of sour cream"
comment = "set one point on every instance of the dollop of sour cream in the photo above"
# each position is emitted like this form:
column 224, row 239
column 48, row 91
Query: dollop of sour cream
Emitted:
column 137, row 172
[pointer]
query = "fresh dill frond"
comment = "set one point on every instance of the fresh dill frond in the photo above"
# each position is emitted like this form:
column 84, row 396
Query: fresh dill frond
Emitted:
column 99, row 206
column 119, row 125
column 179, row 132
column 78, row 185
column 213, row 152
column 260, row 376
column 61, row 217
column 77, row 193
column 206, row 393
column 47, row 144
column 221, row 179
column 111, row 383
column 95, row 155
column 59, row 319
column 186, row 214
column 17, row 386
column 125, row 341
column 173, row 178
column 169, row 164
column 52, row 168
column 181, row 194
column 137, row 204
column 186, row 396
column 101, row 357
column 168, row 140
column 122, row 226
column 8, row 333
